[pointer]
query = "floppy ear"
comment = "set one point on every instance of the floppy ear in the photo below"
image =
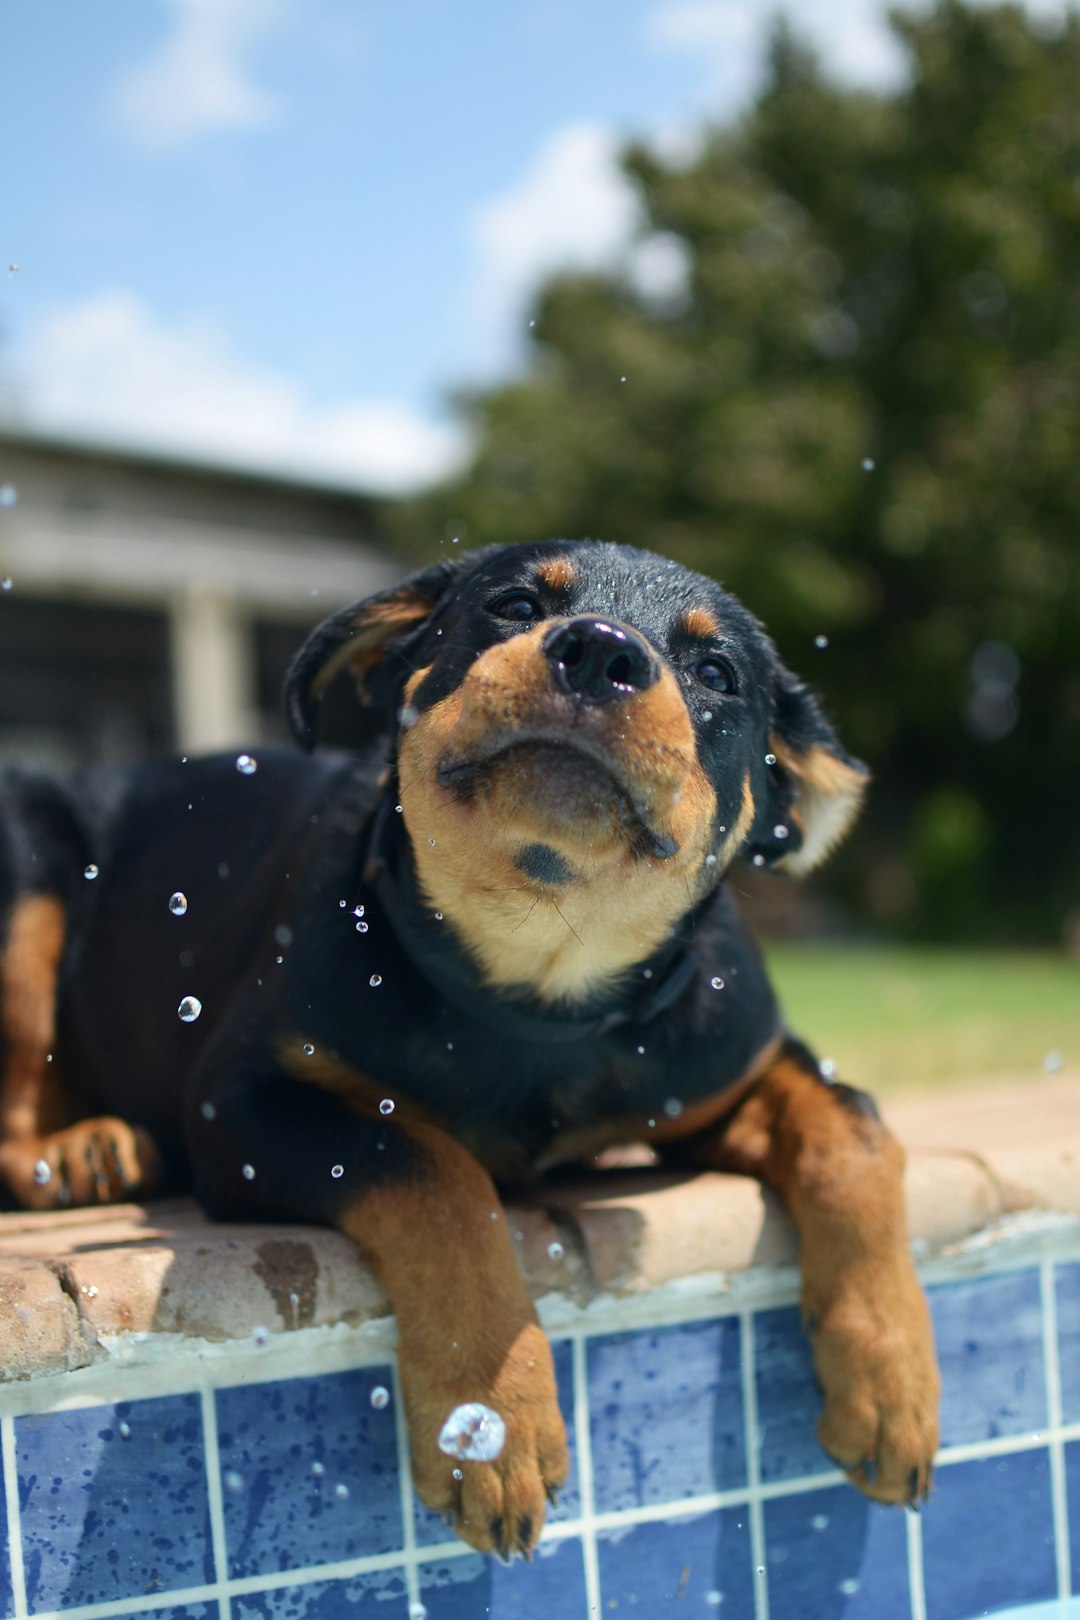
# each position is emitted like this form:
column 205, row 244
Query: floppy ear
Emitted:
column 365, row 636
column 815, row 787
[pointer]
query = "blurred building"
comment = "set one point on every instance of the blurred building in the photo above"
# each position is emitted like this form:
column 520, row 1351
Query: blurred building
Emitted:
column 149, row 604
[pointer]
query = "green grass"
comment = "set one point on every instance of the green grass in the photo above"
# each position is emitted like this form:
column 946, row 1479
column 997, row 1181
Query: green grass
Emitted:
column 898, row 1019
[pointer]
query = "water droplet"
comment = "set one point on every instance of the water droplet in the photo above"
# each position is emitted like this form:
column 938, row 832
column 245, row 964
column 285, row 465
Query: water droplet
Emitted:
column 457, row 1473
column 770, row 759
column 821, row 642
column 641, row 1051
column 318, row 1469
column 757, row 860
column 820, row 1521
column 283, row 935
column 1053, row 1062
column 710, row 860
column 279, row 960
column 125, row 1431
column 248, row 1172
column 380, row 1397
column 449, row 1046
column 397, row 809
column 827, row 1069
column 9, row 495
column 361, row 927
column 341, row 1492
column 438, row 916
column 208, row 1111
column 233, row 1481
column 246, row 765
column 431, row 841
column 714, row 1598
column 622, row 379
column 473, row 1432
column 780, row 831
column 337, row 1171
column 555, row 1251
column 375, row 980
column 706, row 714
column 5, row 583
column 646, row 973
column 717, row 983
column 868, row 464
column 90, row 872
column 673, row 1108
column 178, row 903
column 42, row 1173
column 761, row 1569
column 343, row 904
column 189, row 1009
column 408, row 715
column 260, row 1336
column 357, row 911
column 417, row 1610
column 309, row 1050
column 849, row 1587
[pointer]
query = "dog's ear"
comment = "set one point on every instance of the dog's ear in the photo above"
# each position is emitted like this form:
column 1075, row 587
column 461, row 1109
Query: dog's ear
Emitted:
column 367, row 636
column 815, row 787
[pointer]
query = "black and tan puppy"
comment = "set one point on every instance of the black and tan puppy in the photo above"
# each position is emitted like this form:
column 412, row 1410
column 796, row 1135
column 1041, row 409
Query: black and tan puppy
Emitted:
column 510, row 948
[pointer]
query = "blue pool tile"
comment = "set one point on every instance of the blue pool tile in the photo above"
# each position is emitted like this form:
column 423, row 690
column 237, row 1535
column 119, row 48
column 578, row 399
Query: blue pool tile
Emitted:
column 380, row 1596
column 988, row 1536
column 7, row 1602
column 113, row 1501
column 666, row 1413
column 832, row 1555
column 429, row 1526
column 789, row 1400
column 695, row 1566
column 1072, row 1492
column 989, row 1341
column 475, row 1588
column 1068, row 1315
column 186, row 1611
column 309, row 1472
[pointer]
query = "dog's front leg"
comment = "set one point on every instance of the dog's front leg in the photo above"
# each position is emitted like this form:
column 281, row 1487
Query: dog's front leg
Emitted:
column 840, row 1173
column 428, row 1217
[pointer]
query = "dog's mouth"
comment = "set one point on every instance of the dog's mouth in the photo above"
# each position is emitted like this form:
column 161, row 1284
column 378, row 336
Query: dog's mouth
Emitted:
column 558, row 781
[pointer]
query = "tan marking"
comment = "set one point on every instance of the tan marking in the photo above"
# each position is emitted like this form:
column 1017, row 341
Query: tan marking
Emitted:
column 558, row 573
column 701, row 623
column 375, row 625
column 30, row 1091
column 830, row 795
column 467, row 1331
column 563, row 944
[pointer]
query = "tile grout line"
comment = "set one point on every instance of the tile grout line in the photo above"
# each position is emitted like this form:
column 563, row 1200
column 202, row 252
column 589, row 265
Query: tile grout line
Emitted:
column 410, row 1555
column 754, row 1507
column 215, row 1500
column 583, row 1446
column 1052, row 1367
column 16, row 1567
column 916, row 1580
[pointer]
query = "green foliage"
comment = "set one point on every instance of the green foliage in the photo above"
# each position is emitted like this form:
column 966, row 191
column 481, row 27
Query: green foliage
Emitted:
column 886, row 280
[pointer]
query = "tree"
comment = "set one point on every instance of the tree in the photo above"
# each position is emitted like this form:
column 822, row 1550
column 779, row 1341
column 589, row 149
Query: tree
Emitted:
column 860, row 410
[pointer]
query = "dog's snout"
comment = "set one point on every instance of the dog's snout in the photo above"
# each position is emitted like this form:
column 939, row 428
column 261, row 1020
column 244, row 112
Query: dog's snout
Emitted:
column 599, row 661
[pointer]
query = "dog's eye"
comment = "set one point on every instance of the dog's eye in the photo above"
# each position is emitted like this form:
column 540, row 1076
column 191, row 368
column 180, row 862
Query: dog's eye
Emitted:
column 716, row 674
column 518, row 606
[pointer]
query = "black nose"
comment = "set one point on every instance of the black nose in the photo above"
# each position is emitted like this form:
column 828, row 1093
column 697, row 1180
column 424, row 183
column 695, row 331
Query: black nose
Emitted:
column 598, row 660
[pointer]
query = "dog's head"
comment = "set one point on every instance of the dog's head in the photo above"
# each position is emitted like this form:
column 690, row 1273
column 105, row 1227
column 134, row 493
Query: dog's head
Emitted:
column 587, row 737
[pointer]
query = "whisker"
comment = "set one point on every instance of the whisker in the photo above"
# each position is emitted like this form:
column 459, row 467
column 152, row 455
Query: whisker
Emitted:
column 527, row 915
column 569, row 924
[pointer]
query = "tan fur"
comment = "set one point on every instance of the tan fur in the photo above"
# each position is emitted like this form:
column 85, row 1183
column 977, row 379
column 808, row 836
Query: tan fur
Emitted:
column 374, row 627
column 701, row 623
column 29, row 967
column 558, row 573
column 562, row 944
column 830, row 794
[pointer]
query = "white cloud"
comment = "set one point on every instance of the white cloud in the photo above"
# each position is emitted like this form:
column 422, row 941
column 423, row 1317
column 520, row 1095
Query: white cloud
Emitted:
column 729, row 35
column 108, row 369
column 573, row 208
column 196, row 80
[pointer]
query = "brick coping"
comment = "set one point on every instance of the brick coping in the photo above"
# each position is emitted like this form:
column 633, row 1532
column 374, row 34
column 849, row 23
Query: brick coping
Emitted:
column 71, row 1282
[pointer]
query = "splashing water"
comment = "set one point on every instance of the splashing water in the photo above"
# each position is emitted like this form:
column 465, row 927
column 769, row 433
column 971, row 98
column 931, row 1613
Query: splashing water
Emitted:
column 473, row 1432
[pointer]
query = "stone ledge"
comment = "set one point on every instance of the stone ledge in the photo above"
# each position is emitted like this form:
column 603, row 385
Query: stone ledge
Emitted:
column 70, row 1282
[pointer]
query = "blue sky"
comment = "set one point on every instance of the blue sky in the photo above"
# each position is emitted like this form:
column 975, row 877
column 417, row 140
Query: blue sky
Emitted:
column 278, row 232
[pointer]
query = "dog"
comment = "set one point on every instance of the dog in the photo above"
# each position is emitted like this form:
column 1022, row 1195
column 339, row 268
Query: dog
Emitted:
column 367, row 990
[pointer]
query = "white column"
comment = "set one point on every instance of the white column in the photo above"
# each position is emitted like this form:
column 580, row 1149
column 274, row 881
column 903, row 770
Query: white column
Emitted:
column 213, row 672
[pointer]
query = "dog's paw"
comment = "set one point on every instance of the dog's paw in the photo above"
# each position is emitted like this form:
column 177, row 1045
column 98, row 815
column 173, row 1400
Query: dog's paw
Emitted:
column 97, row 1161
column 874, row 1354
column 496, row 1503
